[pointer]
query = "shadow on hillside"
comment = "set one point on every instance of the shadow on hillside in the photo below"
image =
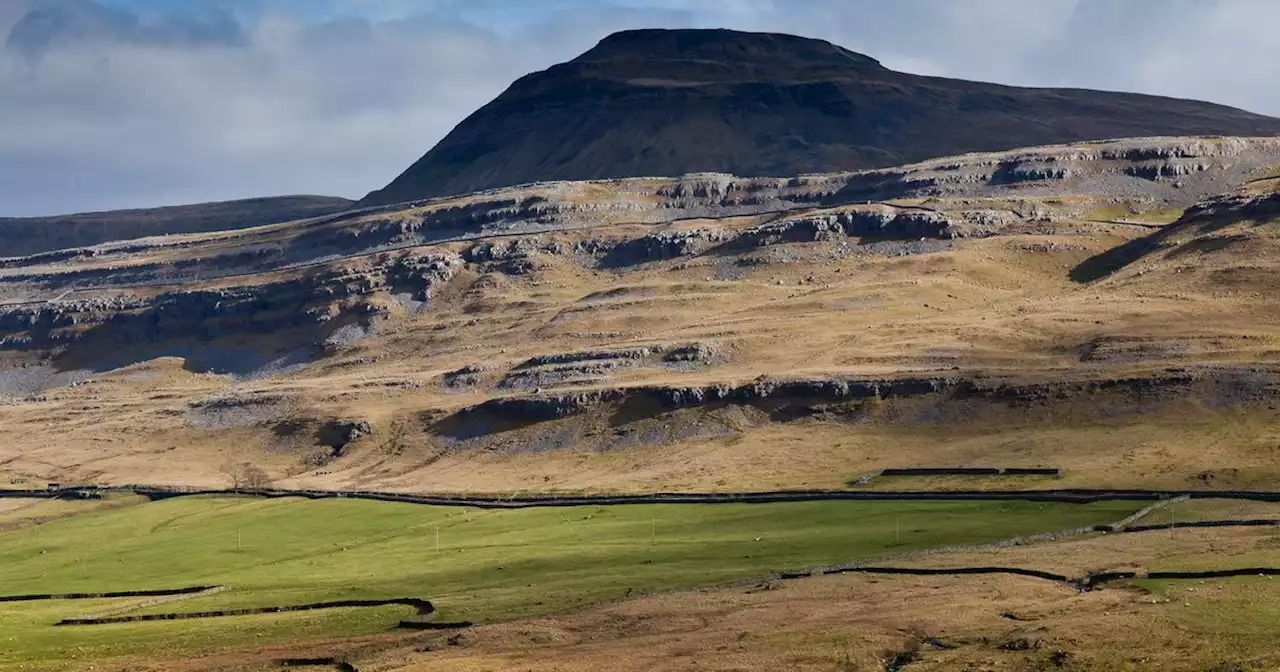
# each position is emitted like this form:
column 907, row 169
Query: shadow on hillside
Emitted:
column 1104, row 264
column 246, row 358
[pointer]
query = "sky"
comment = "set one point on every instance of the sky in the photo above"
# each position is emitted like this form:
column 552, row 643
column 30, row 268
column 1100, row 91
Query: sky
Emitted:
column 110, row 104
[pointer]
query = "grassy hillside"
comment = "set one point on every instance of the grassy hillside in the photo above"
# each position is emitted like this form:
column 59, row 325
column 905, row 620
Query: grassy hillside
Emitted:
column 702, row 333
column 490, row 566
column 860, row 623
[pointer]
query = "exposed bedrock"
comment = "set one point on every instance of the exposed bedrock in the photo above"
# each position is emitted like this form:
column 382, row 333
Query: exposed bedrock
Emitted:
column 867, row 223
column 664, row 245
column 310, row 300
column 598, row 366
column 841, row 397
column 877, row 222
column 521, row 230
column 1243, row 205
column 1174, row 171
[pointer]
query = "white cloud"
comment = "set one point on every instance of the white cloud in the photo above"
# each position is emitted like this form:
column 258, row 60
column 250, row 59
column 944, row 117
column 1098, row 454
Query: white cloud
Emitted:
column 340, row 107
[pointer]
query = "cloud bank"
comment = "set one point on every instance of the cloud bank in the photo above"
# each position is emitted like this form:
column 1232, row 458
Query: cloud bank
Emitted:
column 134, row 103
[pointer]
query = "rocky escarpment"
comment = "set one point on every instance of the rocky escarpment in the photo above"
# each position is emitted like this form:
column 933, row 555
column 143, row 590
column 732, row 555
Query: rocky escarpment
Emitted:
column 318, row 287
column 78, row 328
column 544, row 407
column 620, row 417
column 1257, row 202
column 659, row 102
column 237, row 410
column 1174, row 171
column 515, row 255
column 842, row 204
column 599, row 366
column 879, row 223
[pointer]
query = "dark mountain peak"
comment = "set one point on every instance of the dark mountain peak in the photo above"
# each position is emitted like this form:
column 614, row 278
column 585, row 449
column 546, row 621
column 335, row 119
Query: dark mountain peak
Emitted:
column 669, row 102
column 718, row 44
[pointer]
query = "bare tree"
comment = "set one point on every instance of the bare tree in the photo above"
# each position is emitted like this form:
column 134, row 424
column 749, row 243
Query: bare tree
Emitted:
column 231, row 471
column 246, row 476
column 255, row 478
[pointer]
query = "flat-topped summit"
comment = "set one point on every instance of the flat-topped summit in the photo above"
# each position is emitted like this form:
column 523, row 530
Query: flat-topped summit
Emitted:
column 669, row 102
column 721, row 45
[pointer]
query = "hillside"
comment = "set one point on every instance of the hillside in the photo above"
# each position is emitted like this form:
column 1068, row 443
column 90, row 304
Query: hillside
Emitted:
column 1093, row 315
column 1229, row 244
column 669, row 102
column 30, row 235
column 709, row 332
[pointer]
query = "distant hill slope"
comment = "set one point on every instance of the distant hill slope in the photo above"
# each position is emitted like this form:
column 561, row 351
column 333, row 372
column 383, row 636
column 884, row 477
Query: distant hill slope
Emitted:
column 669, row 102
column 31, row 235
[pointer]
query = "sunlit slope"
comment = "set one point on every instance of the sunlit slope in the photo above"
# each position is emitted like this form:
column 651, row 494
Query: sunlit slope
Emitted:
column 709, row 333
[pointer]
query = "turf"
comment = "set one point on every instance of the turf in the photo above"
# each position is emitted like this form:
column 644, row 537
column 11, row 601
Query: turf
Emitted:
column 491, row 565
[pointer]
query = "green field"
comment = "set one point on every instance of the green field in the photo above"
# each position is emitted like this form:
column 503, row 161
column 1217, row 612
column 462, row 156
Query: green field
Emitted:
column 489, row 565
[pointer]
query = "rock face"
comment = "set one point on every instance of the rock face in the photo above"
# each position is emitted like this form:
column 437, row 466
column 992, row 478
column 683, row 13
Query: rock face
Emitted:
column 670, row 102
column 32, row 235
column 624, row 417
column 271, row 300
column 1175, row 172
column 314, row 302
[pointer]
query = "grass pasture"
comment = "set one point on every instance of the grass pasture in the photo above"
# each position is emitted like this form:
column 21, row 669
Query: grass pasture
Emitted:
column 490, row 566
column 855, row 623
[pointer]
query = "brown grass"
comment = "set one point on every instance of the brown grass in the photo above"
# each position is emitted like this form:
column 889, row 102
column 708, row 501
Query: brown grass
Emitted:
column 989, row 306
column 1001, row 307
column 856, row 622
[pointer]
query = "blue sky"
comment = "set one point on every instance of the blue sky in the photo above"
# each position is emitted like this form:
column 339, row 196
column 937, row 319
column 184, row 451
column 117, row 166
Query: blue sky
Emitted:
column 131, row 103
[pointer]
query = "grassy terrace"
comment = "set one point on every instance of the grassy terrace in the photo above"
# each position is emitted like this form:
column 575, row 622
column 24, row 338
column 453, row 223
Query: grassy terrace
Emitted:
column 490, row 565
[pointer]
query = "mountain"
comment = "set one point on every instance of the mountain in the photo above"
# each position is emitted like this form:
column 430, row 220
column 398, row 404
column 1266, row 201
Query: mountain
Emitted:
column 670, row 102
column 696, row 333
column 22, row 236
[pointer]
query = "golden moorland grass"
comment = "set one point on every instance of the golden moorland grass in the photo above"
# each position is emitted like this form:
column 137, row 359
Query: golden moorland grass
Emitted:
column 1001, row 306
